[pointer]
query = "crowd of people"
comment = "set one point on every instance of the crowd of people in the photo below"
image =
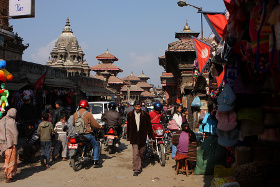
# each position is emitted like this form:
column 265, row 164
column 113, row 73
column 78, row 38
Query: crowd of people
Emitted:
column 56, row 127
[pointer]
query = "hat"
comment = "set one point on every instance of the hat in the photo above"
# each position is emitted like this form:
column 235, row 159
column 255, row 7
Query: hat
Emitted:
column 228, row 138
column 226, row 99
column 226, row 120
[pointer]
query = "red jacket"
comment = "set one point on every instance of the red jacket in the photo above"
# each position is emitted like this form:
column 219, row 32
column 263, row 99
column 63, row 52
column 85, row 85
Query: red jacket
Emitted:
column 155, row 117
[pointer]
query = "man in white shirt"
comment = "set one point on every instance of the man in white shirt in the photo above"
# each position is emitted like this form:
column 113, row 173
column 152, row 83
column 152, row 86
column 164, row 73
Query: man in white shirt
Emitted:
column 138, row 126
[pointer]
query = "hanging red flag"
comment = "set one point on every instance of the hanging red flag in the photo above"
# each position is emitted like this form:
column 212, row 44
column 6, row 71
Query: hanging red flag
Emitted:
column 202, row 52
column 220, row 78
column 217, row 23
column 40, row 82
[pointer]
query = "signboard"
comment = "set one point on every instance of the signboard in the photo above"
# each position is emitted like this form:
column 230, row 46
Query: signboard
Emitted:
column 21, row 9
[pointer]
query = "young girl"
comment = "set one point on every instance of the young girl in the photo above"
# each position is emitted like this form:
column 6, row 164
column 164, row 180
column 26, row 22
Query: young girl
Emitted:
column 177, row 116
column 186, row 136
column 62, row 137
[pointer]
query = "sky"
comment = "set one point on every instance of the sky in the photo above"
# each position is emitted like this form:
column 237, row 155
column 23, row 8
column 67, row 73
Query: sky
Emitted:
column 136, row 32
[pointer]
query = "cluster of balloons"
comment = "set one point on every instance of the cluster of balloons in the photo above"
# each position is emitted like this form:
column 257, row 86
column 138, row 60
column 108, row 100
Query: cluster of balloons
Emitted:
column 4, row 76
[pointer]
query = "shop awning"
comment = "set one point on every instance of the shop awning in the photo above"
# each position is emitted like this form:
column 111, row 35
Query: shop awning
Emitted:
column 95, row 91
column 15, row 85
column 21, row 80
column 63, row 83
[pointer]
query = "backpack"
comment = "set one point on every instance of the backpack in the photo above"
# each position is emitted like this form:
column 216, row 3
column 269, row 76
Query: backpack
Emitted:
column 80, row 126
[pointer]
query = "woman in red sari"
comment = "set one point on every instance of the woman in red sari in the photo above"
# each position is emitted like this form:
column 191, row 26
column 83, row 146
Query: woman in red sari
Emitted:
column 8, row 142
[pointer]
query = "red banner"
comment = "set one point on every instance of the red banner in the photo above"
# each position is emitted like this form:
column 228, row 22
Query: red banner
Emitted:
column 202, row 52
column 220, row 78
column 40, row 82
column 218, row 22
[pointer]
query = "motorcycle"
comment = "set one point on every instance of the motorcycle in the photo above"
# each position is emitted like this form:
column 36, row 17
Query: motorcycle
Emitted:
column 167, row 139
column 124, row 128
column 157, row 147
column 111, row 139
column 81, row 150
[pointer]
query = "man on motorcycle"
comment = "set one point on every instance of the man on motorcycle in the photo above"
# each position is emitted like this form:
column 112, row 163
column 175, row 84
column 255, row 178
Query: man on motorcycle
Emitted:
column 112, row 119
column 157, row 115
column 91, row 123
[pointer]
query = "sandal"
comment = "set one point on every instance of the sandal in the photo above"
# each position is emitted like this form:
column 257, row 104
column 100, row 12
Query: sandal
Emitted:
column 9, row 180
column 64, row 159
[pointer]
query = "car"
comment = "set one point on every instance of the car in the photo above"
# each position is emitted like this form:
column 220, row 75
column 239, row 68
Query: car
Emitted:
column 97, row 108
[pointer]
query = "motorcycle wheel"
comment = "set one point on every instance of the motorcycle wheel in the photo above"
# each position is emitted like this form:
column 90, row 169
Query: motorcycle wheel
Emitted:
column 161, row 155
column 110, row 149
column 99, row 148
column 75, row 163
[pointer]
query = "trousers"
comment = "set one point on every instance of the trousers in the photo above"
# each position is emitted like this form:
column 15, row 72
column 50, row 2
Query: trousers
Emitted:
column 138, row 157
column 94, row 144
column 61, row 143
column 46, row 150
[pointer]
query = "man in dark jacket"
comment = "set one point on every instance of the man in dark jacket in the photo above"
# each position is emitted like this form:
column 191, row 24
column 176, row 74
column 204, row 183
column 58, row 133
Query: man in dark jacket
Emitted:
column 59, row 110
column 112, row 119
column 138, row 125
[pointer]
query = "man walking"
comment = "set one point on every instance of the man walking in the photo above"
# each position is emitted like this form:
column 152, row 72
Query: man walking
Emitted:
column 138, row 125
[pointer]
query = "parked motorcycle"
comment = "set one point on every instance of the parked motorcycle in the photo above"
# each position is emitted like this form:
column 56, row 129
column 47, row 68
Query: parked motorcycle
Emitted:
column 81, row 150
column 111, row 139
column 156, row 147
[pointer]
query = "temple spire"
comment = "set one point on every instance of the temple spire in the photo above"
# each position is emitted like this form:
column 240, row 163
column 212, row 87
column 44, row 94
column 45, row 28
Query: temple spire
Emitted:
column 67, row 22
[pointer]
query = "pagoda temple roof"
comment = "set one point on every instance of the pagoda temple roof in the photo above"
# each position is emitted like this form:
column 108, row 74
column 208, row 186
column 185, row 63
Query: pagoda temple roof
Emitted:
column 133, row 88
column 144, row 85
column 186, row 44
column 167, row 75
column 108, row 67
column 131, row 78
column 147, row 94
column 99, row 77
column 106, row 56
column 143, row 76
column 115, row 80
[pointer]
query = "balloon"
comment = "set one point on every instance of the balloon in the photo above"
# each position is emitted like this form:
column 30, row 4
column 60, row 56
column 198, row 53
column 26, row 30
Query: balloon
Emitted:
column 8, row 75
column 2, row 76
column 2, row 64
column 5, row 75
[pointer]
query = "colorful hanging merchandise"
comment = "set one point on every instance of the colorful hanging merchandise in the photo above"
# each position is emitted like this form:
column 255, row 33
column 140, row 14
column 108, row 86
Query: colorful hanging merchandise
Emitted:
column 196, row 102
column 226, row 129
column 209, row 124
column 4, row 76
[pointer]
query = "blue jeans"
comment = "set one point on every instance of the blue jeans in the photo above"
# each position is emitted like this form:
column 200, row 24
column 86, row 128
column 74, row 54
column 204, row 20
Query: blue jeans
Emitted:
column 94, row 144
column 174, row 151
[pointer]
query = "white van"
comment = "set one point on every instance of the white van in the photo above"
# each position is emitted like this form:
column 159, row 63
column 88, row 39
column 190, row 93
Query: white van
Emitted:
column 98, row 108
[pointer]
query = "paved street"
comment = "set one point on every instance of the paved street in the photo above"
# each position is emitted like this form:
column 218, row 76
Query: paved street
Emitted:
column 116, row 170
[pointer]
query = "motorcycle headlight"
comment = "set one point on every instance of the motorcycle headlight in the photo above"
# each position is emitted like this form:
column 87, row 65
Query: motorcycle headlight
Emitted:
column 159, row 132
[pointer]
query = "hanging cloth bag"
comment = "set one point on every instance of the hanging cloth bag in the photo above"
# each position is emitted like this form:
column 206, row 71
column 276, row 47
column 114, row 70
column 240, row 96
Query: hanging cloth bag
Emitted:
column 196, row 102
